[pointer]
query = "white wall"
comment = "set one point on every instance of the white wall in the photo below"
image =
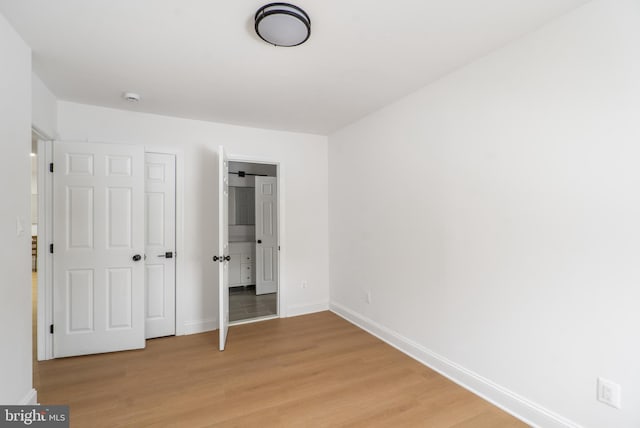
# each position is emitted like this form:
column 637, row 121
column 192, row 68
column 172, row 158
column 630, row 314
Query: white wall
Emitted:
column 15, row 251
column 44, row 108
column 495, row 218
column 303, row 159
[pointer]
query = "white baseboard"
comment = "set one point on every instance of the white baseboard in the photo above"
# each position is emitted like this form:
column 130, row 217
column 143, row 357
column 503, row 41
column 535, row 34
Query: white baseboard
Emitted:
column 199, row 326
column 520, row 407
column 295, row 310
column 30, row 399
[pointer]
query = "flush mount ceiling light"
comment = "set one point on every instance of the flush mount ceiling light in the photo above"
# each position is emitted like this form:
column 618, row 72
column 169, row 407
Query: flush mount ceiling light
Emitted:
column 282, row 24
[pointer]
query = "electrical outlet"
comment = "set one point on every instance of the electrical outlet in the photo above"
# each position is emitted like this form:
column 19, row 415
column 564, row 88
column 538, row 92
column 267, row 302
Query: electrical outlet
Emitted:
column 609, row 392
column 304, row 284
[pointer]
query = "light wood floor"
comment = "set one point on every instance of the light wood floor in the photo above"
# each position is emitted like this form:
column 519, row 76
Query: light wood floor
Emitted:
column 310, row 371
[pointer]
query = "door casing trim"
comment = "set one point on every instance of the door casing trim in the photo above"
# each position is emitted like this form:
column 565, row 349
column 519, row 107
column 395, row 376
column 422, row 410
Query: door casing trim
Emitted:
column 281, row 311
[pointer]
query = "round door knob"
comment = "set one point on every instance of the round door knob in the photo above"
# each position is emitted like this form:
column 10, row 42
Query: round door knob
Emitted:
column 216, row 258
column 227, row 258
column 259, row 241
column 137, row 258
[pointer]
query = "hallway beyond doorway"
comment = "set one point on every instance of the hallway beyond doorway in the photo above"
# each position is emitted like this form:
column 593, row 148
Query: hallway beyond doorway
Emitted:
column 245, row 304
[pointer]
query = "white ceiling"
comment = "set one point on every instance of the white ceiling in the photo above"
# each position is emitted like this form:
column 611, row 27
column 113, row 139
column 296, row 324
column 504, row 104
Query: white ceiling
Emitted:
column 201, row 59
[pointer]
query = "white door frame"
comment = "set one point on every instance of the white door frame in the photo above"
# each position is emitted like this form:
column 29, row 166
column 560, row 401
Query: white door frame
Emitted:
column 281, row 290
column 45, row 229
column 45, row 261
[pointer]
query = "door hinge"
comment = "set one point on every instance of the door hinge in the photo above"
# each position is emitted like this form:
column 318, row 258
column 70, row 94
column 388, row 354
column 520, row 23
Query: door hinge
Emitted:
column 51, row 248
column 51, row 329
column 51, row 167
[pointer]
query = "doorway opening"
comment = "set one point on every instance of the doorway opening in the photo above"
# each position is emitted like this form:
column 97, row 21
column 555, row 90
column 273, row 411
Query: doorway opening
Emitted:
column 253, row 241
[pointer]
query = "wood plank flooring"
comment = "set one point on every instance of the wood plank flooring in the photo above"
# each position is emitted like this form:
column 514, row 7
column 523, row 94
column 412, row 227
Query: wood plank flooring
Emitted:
column 311, row 371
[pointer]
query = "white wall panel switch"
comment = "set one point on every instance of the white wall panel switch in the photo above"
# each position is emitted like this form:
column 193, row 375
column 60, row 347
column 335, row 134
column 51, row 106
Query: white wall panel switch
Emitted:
column 609, row 392
column 19, row 226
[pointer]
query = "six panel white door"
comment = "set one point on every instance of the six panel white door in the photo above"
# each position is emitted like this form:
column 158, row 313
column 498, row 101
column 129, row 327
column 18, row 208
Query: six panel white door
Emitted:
column 266, row 235
column 160, row 244
column 223, row 245
column 98, row 219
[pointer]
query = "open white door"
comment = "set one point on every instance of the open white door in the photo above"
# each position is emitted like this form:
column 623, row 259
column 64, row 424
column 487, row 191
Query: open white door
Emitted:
column 160, row 244
column 223, row 244
column 98, row 244
column 266, row 235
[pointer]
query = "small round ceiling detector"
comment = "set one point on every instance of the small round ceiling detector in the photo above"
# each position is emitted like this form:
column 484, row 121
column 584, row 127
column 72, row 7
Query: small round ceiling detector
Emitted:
column 282, row 24
column 132, row 97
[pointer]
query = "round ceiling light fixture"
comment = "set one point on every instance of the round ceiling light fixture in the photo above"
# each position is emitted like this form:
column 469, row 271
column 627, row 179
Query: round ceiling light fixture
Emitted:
column 282, row 24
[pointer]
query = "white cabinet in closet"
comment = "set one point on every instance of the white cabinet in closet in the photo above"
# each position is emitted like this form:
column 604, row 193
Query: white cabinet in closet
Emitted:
column 242, row 263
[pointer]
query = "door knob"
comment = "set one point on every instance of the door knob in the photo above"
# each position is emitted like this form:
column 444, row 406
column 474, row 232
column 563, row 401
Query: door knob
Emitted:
column 227, row 258
column 216, row 258
column 259, row 241
column 137, row 258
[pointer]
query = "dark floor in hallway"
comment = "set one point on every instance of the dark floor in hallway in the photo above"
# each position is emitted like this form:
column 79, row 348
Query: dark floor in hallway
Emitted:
column 244, row 304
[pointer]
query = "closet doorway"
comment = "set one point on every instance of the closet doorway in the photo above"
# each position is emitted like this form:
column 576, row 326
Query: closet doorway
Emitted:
column 108, row 214
column 253, row 241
